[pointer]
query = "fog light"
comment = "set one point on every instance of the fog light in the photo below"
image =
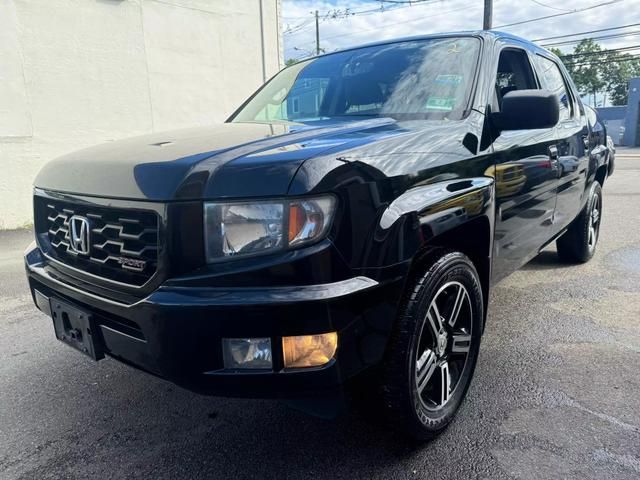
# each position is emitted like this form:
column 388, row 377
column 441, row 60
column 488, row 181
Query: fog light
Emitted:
column 247, row 353
column 309, row 350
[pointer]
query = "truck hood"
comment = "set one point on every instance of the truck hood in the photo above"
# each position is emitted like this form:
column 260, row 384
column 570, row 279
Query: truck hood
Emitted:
column 228, row 160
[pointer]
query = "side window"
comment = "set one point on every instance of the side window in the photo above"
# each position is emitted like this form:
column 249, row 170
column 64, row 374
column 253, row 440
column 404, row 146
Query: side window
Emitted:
column 551, row 79
column 514, row 73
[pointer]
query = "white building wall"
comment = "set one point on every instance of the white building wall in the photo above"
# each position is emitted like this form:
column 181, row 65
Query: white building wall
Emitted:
column 75, row 73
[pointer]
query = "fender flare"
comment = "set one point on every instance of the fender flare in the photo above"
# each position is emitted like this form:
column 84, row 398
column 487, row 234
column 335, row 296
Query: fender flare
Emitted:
column 424, row 212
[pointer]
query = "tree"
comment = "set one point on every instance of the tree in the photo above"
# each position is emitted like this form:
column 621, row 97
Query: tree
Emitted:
column 585, row 69
column 560, row 54
column 566, row 62
column 617, row 69
column 289, row 62
column 595, row 70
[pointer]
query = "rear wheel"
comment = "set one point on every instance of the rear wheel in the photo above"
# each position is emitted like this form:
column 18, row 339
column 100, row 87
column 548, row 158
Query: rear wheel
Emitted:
column 579, row 242
column 434, row 347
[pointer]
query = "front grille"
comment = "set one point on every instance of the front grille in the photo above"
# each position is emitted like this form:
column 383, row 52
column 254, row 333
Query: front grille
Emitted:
column 123, row 243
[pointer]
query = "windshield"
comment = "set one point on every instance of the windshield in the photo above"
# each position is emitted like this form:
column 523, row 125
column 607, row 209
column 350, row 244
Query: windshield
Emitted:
column 422, row 79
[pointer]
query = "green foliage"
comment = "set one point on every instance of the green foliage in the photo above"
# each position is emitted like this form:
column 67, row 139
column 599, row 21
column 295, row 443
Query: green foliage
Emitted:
column 291, row 61
column 586, row 71
column 595, row 70
column 617, row 72
column 567, row 63
column 556, row 51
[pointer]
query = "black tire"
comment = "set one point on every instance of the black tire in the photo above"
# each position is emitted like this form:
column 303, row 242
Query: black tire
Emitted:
column 578, row 243
column 415, row 354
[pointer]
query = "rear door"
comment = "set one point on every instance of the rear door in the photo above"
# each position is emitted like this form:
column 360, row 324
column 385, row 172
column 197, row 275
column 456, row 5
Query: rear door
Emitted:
column 572, row 142
column 526, row 180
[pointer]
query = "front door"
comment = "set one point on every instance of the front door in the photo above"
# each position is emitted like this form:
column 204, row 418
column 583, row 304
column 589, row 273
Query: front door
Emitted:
column 525, row 175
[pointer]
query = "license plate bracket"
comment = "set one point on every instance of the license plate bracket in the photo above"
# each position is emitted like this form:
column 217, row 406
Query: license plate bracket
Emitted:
column 76, row 328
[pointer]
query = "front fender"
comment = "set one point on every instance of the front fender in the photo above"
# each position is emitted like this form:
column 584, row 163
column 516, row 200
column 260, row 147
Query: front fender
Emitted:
column 424, row 212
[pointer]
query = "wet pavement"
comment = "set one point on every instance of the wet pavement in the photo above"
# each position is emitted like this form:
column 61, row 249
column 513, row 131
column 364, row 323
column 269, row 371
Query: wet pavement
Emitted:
column 556, row 392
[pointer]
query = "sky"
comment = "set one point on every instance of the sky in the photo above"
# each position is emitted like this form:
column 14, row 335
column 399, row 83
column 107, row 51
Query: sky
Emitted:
column 434, row 16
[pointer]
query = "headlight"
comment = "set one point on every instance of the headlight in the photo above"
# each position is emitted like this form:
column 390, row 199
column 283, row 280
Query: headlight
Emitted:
column 250, row 228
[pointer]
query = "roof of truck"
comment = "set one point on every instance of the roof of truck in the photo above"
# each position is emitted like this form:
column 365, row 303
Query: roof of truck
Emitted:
column 489, row 34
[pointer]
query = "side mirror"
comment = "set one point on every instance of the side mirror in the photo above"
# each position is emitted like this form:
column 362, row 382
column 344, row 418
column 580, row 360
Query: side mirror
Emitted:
column 527, row 110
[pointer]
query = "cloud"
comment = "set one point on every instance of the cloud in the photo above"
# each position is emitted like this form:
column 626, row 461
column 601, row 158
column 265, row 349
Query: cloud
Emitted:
column 443, row 16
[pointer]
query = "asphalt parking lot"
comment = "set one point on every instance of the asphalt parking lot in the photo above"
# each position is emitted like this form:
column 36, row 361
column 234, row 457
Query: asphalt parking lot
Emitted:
column 556, row 392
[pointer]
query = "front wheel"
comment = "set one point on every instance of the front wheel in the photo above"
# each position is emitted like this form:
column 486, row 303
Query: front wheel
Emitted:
column 434, row 347
column 578, row 243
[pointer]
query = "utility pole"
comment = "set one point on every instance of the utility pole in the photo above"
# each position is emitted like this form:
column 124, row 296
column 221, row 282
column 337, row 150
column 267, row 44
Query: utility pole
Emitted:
column 488, row 15
column 317, row 34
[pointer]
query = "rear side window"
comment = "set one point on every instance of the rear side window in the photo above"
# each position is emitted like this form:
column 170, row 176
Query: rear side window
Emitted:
column 551, row 79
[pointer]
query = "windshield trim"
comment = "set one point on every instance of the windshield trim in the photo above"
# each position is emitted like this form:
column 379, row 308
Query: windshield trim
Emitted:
column 470, row 98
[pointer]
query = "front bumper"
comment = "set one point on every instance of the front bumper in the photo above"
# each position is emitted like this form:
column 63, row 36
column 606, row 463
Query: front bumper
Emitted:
column 176, row 332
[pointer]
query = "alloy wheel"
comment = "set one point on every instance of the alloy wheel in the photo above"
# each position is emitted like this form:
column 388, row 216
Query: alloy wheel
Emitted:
column 594, row 222
column 443, row 345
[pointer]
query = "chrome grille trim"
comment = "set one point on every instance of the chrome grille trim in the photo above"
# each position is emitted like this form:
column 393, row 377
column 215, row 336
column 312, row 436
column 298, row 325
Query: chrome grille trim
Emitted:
column 124, row 244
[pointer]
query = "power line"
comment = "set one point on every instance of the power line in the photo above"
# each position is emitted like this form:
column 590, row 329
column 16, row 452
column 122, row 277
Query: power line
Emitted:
column 299, row 27
column 549, row 6
column 623, row 57
column 410, row 2
column 601, row 37
column 629, row 58
column 585, row 33
column 600, row 52
column 383, row 9
column 413, row 3
column 469, row 6
column 386, row 25
column 598, row 64
column 546, row 17
column 347, row 12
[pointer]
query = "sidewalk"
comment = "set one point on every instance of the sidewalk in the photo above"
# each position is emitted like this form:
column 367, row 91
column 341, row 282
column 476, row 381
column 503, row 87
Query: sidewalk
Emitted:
column 13, row 281
column 12, row 244
column 628, row 152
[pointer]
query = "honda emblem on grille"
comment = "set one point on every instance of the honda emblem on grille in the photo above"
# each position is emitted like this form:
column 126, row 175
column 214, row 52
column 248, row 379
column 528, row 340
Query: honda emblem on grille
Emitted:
column 79, row 234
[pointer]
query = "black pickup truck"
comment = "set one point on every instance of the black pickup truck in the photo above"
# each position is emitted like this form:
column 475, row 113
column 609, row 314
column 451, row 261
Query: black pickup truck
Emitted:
column 343, row 227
